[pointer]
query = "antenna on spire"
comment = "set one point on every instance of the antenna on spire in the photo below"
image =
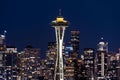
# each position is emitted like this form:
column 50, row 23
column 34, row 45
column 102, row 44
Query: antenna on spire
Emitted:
column 60, row 12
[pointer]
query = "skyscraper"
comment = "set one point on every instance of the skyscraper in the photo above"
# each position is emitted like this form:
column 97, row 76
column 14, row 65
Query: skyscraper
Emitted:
column 10, row 63
column 102, row 51
column 112, row 67
column 60, row 25
column 89, row 62
column 75, row 43
column 69, row 69
column 68, row 63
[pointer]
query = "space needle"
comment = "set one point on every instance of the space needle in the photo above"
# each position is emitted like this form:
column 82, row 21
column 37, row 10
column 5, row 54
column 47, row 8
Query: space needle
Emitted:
column 60, row 25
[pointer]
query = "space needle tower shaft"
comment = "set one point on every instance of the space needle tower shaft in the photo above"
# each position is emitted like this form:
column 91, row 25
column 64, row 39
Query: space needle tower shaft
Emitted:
column 60, row 25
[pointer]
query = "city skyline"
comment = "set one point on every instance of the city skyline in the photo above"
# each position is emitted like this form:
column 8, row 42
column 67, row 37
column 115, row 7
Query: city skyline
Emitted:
column 28, row 64
column 27, row 21
column 84, row 44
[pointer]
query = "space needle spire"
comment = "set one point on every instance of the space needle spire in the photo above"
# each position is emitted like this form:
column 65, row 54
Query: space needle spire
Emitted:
column 60, row 25
column 60, row 12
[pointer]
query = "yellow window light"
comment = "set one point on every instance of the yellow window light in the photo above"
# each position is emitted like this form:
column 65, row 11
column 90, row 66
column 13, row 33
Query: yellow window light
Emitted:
column 60, row 19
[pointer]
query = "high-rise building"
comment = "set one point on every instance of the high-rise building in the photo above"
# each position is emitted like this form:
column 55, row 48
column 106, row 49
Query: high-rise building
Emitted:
column 2, row 52
column 29, row 64
column 89, row 62
column 68, row 50
column 69, row 69
column 102, row 51
column 68, row 63
column 50, row 60
column 75, row 43
column 60, row 25
column 112, row 67
column 10, row 63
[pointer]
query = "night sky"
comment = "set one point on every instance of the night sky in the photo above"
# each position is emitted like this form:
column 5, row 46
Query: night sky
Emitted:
column 28, row 21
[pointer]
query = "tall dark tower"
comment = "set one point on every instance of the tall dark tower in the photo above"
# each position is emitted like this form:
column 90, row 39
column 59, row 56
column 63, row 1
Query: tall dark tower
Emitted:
column 60, row 25
column 102, row 51
column 75, row 43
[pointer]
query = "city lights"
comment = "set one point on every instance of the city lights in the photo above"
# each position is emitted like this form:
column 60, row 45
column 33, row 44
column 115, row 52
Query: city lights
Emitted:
column 63, row 60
